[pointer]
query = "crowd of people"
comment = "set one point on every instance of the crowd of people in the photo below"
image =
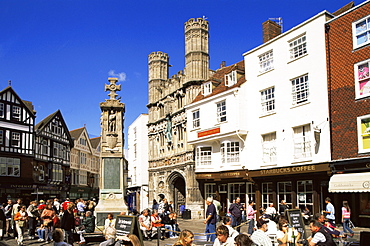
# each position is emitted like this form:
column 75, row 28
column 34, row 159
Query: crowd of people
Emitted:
column 45, row 219
column 52, row 220
column 273, row 225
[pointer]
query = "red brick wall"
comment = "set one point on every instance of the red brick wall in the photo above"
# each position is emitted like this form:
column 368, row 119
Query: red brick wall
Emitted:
column 344, row 108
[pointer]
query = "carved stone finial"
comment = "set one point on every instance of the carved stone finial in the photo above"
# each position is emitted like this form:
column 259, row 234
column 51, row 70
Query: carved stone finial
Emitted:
column 112, row 87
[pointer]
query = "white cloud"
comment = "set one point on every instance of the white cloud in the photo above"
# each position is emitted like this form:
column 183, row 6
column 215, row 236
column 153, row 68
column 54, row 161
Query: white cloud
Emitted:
column 121, row 76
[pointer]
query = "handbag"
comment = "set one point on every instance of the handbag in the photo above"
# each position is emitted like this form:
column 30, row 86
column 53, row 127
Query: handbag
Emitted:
column 20, row 223
column 351, row 225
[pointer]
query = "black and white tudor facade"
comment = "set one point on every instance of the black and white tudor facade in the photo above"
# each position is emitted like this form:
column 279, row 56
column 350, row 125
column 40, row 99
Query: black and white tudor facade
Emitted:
column 17, row 121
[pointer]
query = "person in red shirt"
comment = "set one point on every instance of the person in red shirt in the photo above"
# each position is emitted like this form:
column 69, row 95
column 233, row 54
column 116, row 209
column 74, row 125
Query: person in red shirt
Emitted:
column 65, row 204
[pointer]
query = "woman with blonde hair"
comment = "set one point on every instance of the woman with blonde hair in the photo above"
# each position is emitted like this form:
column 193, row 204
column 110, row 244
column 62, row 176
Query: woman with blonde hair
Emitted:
column 186, row 238
column 346, row 217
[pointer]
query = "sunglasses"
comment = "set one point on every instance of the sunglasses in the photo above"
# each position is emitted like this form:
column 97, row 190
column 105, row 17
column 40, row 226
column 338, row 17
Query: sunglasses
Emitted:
column 285, row 225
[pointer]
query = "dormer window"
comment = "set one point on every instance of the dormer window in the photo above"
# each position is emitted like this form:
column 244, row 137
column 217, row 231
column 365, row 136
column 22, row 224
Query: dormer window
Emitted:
column 207, row 88
column 230, row 78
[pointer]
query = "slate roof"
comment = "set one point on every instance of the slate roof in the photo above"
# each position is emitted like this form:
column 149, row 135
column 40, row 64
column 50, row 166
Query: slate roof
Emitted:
column 219, row 82
column 95, row 142
column 76, row 132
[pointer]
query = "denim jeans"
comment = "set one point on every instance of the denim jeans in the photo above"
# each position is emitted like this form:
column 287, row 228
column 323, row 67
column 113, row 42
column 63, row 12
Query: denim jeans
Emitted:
column 251, row 227
column 346, row 226
column 170, row 232
column 211, row 228
column 41, row 233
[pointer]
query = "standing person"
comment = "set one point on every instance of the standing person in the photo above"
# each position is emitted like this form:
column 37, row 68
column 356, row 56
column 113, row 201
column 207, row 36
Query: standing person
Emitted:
column 330, row 211
column 155, row 205
column 65, row 204
column 56, row 206
column 81, row 207
column 236, row 210
column 218, row 207
column 20, row 219
column 186, row 238
column 68, row 222
column 15, row 210
column 211, row 220
column 2, row 222
column 319, row 235
column 223, row 239
column 33, row 215
column 250, row 216
column 91, row 206
column 346, row 217
column 8, row 215
column 282, row 207
column 260, row 237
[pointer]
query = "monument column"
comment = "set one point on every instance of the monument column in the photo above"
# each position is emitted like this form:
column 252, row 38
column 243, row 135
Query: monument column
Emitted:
column 113, row 172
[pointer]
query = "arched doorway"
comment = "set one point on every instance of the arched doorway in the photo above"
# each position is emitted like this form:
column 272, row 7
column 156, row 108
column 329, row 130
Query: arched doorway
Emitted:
column 178, row 190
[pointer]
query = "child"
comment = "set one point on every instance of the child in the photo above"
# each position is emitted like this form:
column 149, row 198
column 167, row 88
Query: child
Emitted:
column 41, row 232
column 58, row 237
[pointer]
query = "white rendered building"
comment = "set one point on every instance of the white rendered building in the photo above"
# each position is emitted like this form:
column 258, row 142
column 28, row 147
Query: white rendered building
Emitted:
column 138, row 164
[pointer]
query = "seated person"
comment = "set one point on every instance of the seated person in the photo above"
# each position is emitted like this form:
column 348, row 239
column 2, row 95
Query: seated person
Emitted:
column 319, row 235
column 130, row 239
column 58, row 237
column 145, row 224
column 175, row 224
column 167, row 220
column 156, row 223
column 222, row 237
column 227, row 222
column 329, row 228
column 87, row 226
column 41, row 232
column 109, row 230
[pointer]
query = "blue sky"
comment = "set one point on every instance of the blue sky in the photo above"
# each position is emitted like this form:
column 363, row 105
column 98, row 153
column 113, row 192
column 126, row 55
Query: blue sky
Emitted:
column 59, row 53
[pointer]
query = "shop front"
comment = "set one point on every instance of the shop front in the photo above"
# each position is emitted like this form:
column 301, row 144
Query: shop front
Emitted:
column 351, row 182
column 300, row 186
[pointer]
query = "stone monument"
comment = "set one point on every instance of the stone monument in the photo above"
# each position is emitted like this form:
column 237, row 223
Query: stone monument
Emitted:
column 113, row 170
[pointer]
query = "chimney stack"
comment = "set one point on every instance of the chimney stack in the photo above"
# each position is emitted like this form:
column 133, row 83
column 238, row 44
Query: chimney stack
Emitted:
column 270, row 30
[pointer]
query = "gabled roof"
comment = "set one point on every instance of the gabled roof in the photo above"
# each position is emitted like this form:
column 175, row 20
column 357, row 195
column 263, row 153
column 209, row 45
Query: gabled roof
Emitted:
column 95, row 142
column 76, row 134
column 28, row 105
column 42, row 124
column 218, row 80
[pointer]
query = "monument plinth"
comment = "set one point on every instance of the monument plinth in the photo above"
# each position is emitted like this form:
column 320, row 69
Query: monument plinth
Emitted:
column 113, row 173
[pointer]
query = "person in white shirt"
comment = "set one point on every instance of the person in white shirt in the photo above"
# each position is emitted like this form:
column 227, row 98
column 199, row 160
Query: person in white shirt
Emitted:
column 222, row 237
column 271, row 211
column 145, row 224
column 227, row 222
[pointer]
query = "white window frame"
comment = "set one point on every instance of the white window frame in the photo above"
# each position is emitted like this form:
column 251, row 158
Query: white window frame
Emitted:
column 357, row 32
column 10, row 167
column 363, row 132
column 16, row 112
column 221, row 111
column 284, row 194
column 204, row 156
column 298, row 47
column 266, row 61
column 302, row 142
column 2, row 110
column 209, row 190
column 362, row 76
column 230, row 78
column 16, row 136
column 207, row 88
column 300, row 90
column 196, row 118
column 268, row 100
column 230, row 152
column 305, row 202
column 269, row 148
column 83, row 158
column 268, row 194
column 237, row 190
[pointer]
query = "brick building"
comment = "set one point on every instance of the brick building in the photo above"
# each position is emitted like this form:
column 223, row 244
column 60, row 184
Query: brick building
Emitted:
column 348, row 61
